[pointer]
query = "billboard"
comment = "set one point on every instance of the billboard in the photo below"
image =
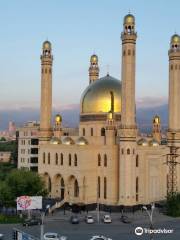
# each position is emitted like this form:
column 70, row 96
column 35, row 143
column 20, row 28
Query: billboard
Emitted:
column 29, row 203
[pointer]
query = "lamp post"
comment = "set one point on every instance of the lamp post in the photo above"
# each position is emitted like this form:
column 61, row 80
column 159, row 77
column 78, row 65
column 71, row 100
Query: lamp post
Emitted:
column 150, row 214
column 42, row 225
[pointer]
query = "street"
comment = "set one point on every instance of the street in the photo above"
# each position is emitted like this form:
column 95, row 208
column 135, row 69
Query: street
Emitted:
column 116, row 230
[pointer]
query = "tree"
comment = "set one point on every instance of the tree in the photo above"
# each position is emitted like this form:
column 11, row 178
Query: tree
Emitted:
column 19, row 183
column 173, row 205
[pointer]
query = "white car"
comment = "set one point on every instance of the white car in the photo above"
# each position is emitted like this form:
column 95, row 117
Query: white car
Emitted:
column 1, row 236
column 107, row 219
column 53, row 236
column 100, row 238
column 89, row 219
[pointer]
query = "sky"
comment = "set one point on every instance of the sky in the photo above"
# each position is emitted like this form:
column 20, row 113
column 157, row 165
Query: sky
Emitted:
column 76, row 30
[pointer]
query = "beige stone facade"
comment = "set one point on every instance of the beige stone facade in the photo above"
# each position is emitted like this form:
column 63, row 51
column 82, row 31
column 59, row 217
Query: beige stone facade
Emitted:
column 107, row 161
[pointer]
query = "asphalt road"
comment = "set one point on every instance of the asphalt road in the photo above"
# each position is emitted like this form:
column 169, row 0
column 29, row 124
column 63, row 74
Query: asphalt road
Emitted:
column 116, row 230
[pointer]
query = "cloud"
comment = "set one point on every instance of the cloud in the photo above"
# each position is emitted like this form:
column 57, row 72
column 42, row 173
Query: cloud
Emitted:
column 148, row 102
column 144, row 102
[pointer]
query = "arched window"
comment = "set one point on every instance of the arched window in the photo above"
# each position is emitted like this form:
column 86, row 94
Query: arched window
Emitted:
column 56, row 159
column 61, row 159
column 122, row 150
column 76, row 189
column 124, row 53
column 84, row 132
column 102, row 131
column 44, row 157
column 75, row 160
column 42, row 70
column 99, row 187
column 105, row 160
column 91, row 131
column 137, row 188
column 129, row 52
column 128, row 151
column 69, row 159
column 49, row 158
column 99, row 160
column 105, row 187
column 45, row 70
column 171, row 67
column 137, row 160
column 50, row 70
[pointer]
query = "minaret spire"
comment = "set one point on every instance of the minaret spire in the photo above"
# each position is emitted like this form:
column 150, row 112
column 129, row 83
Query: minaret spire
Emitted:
column 46, row 92
column 174, row 89
column 128, row 193
column 93, row 69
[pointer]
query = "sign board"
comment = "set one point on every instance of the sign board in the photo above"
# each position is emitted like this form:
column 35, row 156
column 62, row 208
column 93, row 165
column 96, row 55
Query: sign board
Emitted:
column 29, row 203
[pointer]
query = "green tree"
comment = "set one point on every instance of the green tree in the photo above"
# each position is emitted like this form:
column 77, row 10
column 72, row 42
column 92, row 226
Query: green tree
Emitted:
column 19, row 183
column 173, row 205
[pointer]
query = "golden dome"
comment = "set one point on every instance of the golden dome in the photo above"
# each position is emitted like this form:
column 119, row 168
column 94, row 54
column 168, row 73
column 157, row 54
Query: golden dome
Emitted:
column 81, row 141
column 142, row 142
column 68, row 141
column 156, row 120
column 58, row 118
column 175, row 39
column 153, row 143
column 55, row 140
column 97, row 96
column 46, row 45
column 129, row 19
column 94, row 59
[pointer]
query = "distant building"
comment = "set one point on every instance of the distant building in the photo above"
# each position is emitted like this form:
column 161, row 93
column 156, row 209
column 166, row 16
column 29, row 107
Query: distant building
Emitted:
column 5, row 157
column 12, row 128
column 28, row 146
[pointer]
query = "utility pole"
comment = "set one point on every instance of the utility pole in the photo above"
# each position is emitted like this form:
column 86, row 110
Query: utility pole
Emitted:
column 172, row 162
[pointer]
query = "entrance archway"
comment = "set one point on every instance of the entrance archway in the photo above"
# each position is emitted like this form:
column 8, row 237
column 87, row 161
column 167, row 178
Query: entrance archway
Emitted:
column 59, row 186
column 73, row 188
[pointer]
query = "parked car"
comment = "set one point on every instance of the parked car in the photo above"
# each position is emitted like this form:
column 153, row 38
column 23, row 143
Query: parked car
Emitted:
column 53, row 236
column 1, row 236
column 125, row 219
column 32, row 221
column 107, row 219
column 74, row 219
column 89, row 219
column 100, row 238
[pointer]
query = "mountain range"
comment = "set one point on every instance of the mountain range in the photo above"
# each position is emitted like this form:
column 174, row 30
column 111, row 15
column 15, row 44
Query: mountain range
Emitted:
column 71, row 116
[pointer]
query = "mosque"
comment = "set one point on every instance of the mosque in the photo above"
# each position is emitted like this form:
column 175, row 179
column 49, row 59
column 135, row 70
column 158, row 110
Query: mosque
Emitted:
column 108, row 161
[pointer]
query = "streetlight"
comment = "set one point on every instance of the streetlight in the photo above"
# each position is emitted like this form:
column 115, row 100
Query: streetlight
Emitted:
column 150, row 214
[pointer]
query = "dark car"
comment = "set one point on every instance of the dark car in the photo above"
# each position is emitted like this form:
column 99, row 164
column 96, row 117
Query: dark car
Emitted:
column 32, row 221
column 125, row 219
column 74, row 219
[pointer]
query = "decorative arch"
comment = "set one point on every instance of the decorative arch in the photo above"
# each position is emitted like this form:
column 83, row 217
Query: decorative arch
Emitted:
column 73, row 188
column 59, row 186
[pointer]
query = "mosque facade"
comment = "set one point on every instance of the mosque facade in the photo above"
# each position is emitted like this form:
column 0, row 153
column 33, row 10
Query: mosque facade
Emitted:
column 108, row 161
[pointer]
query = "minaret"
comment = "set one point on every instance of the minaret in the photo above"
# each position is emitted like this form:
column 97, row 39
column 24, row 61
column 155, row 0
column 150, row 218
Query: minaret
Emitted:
column 46, row 92
column 93, row 69
column 156, row 131
column 174, row 91
column 128, row 194
column 58, row 126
